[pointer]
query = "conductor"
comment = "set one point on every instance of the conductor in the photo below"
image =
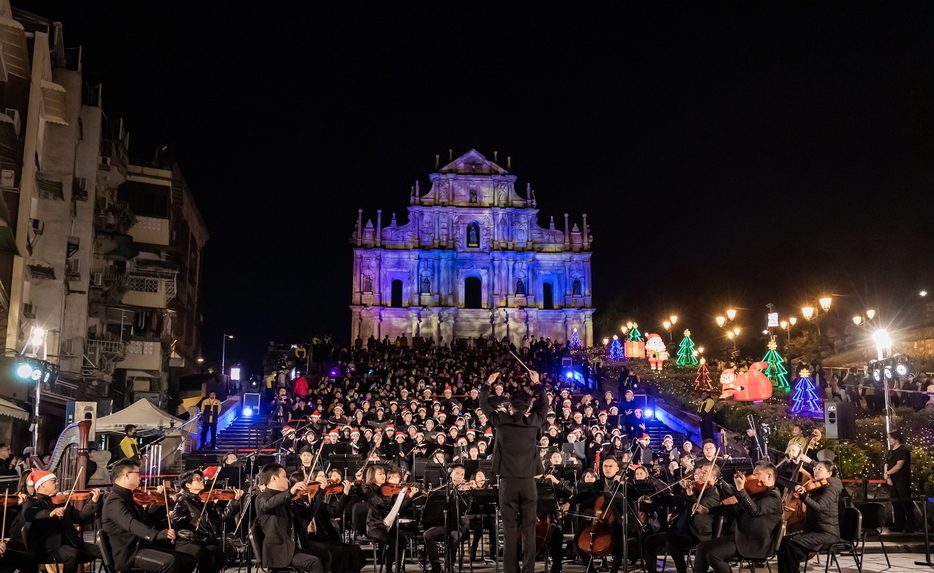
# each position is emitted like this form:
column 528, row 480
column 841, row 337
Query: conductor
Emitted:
column 516, row 461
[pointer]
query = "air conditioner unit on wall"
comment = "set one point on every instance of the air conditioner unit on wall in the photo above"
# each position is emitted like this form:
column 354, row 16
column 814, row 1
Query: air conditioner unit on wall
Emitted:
column 29, row 310
column 14, row 115
column 97, row 279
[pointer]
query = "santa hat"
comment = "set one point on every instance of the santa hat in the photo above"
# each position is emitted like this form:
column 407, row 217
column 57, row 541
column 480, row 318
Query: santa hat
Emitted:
column 390, row 427
column 39, row 477
column 471, row 431
column 598, row 431
column 645, row 437
column 462, row 441
column 566, row 403
column 393, row 402
column 355, row 432
column 334, row 433
column 668, row 437
column 553, row 427
column 473, row 390
column 550, row 414
column 447, row 389
column 602, row 413
column 316, row 414
column 288, row 429
column 417, row 434
column 338, row 407
column 400, row 436
column 488, row 432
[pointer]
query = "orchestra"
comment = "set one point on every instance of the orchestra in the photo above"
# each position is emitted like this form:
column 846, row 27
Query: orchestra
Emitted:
column 429, row 474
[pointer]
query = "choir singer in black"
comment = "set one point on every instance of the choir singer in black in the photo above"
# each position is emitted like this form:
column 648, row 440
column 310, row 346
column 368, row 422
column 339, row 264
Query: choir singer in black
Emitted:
column 516, row 462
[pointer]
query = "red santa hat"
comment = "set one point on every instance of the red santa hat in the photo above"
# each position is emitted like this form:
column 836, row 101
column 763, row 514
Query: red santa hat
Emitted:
column 566, row 403
column 287, row 429
column 39, row 477
column 316, row 414
column 668, row 437
column 462, row 441
column 471, row 431
column 390, row 427
column 338, row 407
column 334, row 433
column 488, row 432
column 417, row 434
column 355, row 432
column 602, row 413
column 447, row 389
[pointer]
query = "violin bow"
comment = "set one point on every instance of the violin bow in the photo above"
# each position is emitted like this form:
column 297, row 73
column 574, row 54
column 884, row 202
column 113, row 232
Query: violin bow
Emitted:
column 165, row 496
column 703, row 488
column 73, row 486
column 3, row 530
column 205, row 506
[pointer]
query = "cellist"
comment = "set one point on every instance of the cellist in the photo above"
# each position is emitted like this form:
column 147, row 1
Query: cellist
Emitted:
column 757, row 515
column 607, row 484
column 690, row 527
column 821, row 521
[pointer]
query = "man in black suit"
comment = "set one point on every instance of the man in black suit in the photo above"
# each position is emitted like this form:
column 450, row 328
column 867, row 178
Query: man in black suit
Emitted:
column 52, row 527
column 516, row 462
column 123, row 522
column 757, row 516
column 821, row 521
column 280, row 548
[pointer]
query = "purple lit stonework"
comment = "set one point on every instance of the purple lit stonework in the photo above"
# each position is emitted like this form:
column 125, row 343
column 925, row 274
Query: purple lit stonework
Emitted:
column 471, row 261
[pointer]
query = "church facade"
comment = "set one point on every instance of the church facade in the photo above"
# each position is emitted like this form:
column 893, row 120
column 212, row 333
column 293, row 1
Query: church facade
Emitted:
column 471, row 260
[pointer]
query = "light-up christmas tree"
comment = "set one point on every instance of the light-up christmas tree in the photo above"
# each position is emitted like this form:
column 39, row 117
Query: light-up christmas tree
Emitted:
column 616, row 349
column 575, row 340
column 776, row 372
column 686, row 354
column 804, row 400
column 703, row 383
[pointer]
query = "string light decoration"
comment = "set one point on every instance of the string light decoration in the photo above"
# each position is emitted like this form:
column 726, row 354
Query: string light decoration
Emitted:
column 776, row 372
column 703, row 383
column 686, row 354
column 804, row 400
column 616, row 349
column 575, row 342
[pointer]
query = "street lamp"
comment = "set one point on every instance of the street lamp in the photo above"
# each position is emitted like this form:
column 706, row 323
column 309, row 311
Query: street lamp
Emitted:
column 884, row 342
column 667, row 326
column 857, row 320
column 793, row 320
column 700, row 349
column 720, row 321
column 736, row 331
column 731, row 313
column 870, row 314
column 224, row 353
column 810, row 312
column 674, row 319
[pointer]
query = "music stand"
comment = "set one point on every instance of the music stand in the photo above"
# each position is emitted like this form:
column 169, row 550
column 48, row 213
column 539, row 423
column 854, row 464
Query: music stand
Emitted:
column 433, row 474
column 347, row 464
column 418, row 468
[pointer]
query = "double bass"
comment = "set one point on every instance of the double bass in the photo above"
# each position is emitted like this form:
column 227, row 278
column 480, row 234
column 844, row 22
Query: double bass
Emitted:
column 793, row 508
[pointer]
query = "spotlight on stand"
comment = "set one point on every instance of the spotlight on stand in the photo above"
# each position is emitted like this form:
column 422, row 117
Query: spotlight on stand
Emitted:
column 876, row 369
column 247, row 412
column 902, row 365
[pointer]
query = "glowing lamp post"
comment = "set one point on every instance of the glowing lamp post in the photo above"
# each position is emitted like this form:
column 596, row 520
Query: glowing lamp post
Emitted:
column 667, row 326
column 720, row 321
column 731, row 314
column 857, row 320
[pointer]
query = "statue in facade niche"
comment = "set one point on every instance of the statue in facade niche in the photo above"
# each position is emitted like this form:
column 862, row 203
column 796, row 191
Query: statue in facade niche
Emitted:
column 367, row 283
column 473, row 194
column 520, row 288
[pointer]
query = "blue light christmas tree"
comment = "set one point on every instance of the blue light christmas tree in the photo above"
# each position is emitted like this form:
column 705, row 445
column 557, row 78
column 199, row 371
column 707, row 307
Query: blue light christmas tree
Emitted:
column 616, row 349
column 776, row 372
column 686, row 355
column 575, row 340
column 804, row 400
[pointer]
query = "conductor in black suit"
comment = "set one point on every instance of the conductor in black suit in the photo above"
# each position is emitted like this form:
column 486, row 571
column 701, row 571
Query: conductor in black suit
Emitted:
column 758, row 515
column 516, row 461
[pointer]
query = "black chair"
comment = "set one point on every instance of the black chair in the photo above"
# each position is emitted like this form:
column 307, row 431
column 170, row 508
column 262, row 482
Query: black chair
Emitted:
column 40, row 558
column 777, row 533
column 107, row 560
column 256, row 542
column 851, row 524
column 873, row 521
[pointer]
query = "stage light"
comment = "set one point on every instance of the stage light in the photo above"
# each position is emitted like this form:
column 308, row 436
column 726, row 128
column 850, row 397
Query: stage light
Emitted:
column 24, row 371
column 876, row 374
column 901, row 369
column 888, row 372
column 648, row 412
column 247, row 412
column 902, row 365
column 235, row 374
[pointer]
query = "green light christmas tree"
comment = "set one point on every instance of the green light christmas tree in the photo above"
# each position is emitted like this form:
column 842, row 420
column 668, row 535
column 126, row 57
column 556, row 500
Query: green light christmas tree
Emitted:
column 776, row 372
column 686, row 355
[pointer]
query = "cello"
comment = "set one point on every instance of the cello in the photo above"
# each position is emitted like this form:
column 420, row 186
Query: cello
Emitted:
column 596, row 539
column 793, row 507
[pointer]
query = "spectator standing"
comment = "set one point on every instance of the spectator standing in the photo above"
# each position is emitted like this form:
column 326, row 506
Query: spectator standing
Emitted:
column 898, row 475
column 210, row 412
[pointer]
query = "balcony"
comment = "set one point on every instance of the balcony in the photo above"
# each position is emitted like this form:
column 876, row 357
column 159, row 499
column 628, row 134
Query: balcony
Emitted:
column 142, row 355
column 149, row 289
column 150, row 230
column 113, row 159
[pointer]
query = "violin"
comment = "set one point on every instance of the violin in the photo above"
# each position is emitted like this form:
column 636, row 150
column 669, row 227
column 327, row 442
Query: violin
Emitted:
column 8, row 500
column 813, row 484
column 698, row 487
column 218, row 495
column 63, row 497
column 753, row 486
column 389, row 489
column 311, row 490
column 334, row 487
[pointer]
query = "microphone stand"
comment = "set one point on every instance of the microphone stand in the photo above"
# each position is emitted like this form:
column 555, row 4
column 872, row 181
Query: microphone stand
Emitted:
column 450, row 493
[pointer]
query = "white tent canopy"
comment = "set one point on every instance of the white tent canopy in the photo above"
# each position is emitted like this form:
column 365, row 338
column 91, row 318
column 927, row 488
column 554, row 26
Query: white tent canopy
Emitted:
column 141, row 414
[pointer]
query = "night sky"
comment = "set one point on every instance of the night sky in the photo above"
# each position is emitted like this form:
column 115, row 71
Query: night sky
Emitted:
column 726, row 153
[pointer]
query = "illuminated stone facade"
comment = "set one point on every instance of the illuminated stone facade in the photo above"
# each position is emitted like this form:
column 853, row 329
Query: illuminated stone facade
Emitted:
column 471, row 260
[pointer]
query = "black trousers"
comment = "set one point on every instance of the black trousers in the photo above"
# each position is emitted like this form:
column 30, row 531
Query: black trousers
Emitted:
column 903, row 511
column 483, row 521
column 436, row 534
column 387, row 539
column 714, row 554
column 212, row 427
column 210, row 557
column 676, row 544
column 157, row 561
column 795, row 549
column 72, row 556
column 307, row 563
column 518, row 503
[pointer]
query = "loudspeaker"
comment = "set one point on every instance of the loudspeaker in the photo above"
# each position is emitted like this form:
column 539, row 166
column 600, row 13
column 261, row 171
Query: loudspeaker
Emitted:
column 77, row 411
column 840, row 421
